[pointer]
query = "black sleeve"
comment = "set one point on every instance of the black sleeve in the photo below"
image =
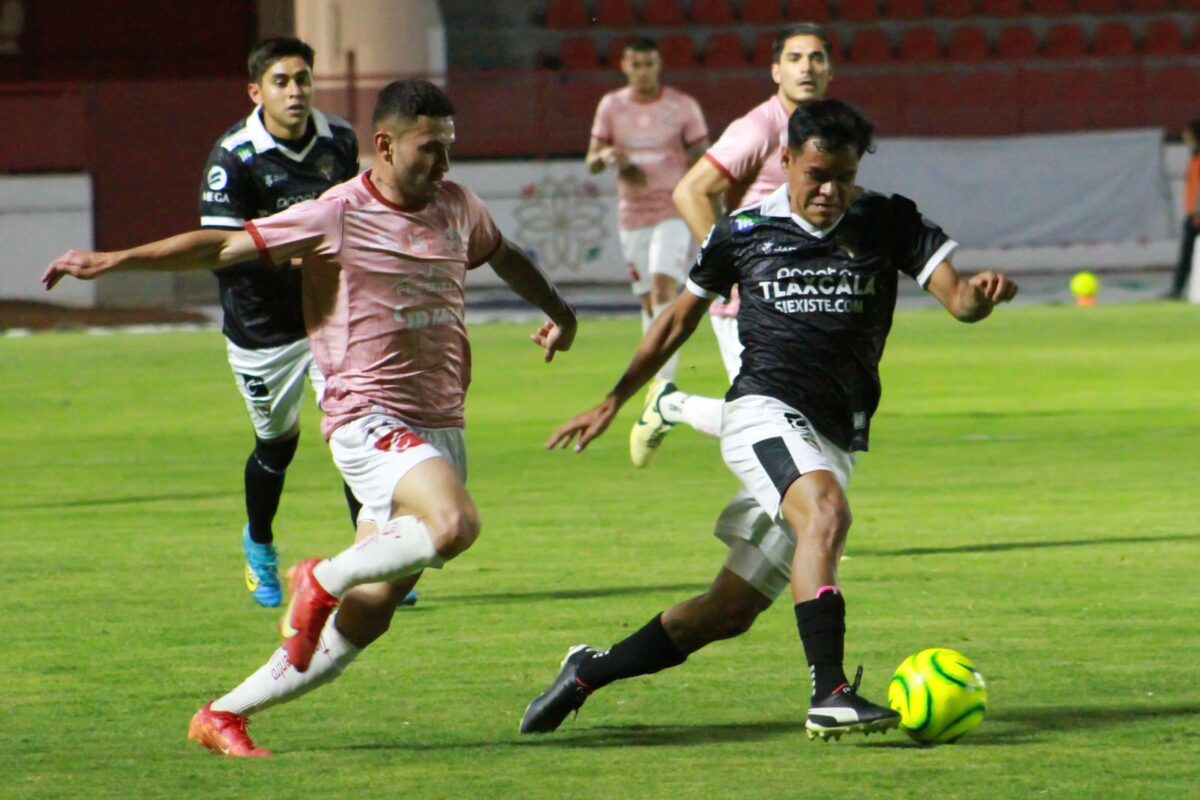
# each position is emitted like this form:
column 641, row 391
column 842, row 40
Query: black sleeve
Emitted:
column 226, row 191
column 916, row 239
column 714, row 271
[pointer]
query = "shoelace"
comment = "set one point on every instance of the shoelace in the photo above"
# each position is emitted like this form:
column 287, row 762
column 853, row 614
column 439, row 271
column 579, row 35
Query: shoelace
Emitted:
column 857, row 680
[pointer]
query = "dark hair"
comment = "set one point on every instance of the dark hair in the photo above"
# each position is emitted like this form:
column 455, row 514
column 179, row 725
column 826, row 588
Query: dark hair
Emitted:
column 801, row 29
column 411, row 99
column 642, row 44
column 832, row 125
column 268, row 51
column 1193, row 127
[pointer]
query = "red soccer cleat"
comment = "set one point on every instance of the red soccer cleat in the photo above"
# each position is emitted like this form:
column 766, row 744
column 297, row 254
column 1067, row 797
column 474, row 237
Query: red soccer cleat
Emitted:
column 224, row 733
column 306, row 614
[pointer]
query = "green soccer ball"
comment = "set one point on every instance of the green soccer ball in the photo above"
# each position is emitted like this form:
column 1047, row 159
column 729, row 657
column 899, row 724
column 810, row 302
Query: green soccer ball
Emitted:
column 939, row 694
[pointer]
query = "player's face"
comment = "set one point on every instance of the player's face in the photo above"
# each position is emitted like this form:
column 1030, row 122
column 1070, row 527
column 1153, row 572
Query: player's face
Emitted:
column 803, row 71
column 416, row 156
column 285, row 95
column 643, row 70
column 820, row 182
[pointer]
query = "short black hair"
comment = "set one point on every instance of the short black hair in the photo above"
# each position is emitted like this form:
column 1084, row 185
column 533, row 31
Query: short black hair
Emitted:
column 801, row 29
column 411, row 99
column 831, row 124
column 1193, row 127
column 642, row 44
column 268, row 51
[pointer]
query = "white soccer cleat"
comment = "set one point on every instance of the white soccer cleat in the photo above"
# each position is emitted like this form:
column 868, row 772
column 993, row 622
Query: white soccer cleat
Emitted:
column 650, row 428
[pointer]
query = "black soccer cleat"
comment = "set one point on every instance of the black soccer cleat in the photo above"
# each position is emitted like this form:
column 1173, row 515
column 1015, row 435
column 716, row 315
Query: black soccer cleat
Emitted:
column 844, row 711
column 564, row 696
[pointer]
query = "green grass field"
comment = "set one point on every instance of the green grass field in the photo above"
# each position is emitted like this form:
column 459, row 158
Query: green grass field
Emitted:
column 1031, row 499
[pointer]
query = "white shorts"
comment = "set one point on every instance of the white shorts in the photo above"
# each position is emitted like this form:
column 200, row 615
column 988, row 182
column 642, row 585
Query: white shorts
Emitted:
column 726, row 331
column 662, row 249
column 374, row 452
column 768, row 445
column 271, row 381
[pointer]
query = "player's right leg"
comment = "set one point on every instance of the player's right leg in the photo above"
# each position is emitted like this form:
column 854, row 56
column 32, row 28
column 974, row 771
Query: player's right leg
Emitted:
column 727, row 609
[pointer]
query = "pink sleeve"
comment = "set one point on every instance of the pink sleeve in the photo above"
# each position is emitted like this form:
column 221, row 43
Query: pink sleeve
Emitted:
column 483, row 235
column 695, row 128
column 305, row 228
column 602, row 125
column 741, row 150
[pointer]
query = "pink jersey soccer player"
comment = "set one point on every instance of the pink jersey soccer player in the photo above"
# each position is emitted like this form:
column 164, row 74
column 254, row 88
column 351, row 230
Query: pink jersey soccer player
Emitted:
column 741, row 168
column 384, row 258
column 651, row 133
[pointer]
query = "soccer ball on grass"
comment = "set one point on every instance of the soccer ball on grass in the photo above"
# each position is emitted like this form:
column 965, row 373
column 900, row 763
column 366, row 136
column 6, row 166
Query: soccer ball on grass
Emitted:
column 939, row 694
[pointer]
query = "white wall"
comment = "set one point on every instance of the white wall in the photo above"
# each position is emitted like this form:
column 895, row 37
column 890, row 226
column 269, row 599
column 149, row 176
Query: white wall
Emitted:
column 41, row 216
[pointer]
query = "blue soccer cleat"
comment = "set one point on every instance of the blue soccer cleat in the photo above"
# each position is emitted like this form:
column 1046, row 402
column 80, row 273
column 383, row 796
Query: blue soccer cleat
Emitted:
column 411, row 598
column 262, row 572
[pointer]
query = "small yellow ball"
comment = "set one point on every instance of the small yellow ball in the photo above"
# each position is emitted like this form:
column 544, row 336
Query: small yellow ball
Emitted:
column 1085, row 284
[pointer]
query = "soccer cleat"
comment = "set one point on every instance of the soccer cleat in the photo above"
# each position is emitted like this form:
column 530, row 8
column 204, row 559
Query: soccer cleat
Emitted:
column 844, row 711
column 224, row 733
column 650, row 428
column 306, row 614
column 411, row 598
column 565, row 695
column 262, row 572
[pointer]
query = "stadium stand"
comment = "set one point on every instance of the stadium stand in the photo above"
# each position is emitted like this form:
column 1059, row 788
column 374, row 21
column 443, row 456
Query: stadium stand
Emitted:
column 725, row 51
column 857, row 10
column 907, row 9
column 579, row 53
column 678, row 51
column 1113, row 40
column 712, row 12
column 953, row 9
column 1098, row 7
column 1016, row 43
column 1163, row 38
column 1050, row 8
column 1065, row 40
column 615, row 14
column 870, row 46
column 919, row 46
column 762, row 12
column 566, row 14
column 968, row 44
column 663, row 12
column 811, row 10
column 1001, row 8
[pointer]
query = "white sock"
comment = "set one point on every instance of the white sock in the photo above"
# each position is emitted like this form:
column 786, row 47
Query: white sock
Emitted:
column 701, row 413
column 669, row 369
column 277, row 682
column 402, row 547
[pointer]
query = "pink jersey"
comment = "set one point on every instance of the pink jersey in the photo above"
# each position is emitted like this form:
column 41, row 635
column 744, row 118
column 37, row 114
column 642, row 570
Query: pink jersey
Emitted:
column 383, row 297
column 748, row 155
column 655, row 137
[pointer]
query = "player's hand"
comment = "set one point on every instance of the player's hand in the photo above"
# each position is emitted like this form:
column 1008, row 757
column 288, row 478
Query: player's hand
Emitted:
column 989, row 288
column 633, row 174
column 82, row 264
column 587, row 426
column 554, row 338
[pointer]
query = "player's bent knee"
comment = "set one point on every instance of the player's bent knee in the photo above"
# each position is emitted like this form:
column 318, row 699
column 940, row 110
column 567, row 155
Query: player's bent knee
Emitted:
column 454, row 531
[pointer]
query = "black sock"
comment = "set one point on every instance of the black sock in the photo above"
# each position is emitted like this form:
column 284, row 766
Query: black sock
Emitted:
column 648, row 651
column 822, row 624
column 353, row 504
column 265, row 471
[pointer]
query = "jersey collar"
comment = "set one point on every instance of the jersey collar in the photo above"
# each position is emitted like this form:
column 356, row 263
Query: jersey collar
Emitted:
column 778, row 204
column 264, row 141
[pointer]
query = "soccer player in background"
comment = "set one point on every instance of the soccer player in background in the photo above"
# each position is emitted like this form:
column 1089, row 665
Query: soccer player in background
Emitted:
column 742, row 168
column 384, row 260
column 283, row 153
column 651, row 134
column 817, row 262
column 1191, row 213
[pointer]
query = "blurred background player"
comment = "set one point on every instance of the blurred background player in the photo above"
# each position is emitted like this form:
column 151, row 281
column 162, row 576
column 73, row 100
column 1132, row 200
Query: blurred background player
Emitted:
column 742, row 168
column 1191, row 212
column 651, row 134
column 285, row 152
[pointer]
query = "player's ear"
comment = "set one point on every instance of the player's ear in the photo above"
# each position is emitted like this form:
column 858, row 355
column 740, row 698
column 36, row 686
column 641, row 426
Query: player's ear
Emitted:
column 775, row 74
column 383, row 145
column 255, row 92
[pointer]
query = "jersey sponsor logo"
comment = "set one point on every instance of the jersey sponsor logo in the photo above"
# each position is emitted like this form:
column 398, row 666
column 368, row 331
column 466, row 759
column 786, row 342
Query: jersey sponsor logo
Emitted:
column 415, row 319
column 272, row 178
column 245, row 152
column 798, row 423
column 215, row 197
column 744, row 222
column 327, row 165
column 287, row 201
column 770, row 247
column 398, row 440
column 797, row 290
column 217, row 178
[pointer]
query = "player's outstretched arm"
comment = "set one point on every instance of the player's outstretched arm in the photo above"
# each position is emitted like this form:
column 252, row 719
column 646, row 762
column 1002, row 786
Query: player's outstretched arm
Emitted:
column 697, row 196
column 530, row 283
column 667, row 334
column 970, row 299
column 203, row 249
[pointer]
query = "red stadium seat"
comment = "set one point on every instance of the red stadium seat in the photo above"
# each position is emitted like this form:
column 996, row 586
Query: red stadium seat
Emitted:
column 1113, row 39
column 712, row 12
column 920, row 46
column 579, row 53
column 1163, row 38
column 564, row 14
column 1099, row 8
column 870, row 46
column 907, row 9
column 1017, row 43
column 663, row 12
column 968, row 44
column 1147, row 6
column 762, row 12
column 857, row 10
column 615, row 14
column 1065, row 41
column 724, row 51
column 678, row 51
column 1050, row 8
column 954, row 9
column 1001, row 8
column 808, row 11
